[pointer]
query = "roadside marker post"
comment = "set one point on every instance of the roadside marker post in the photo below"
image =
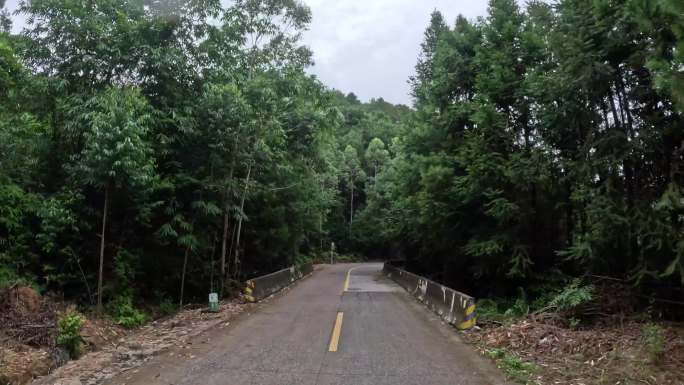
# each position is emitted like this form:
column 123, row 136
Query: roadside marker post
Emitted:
column 213, row 302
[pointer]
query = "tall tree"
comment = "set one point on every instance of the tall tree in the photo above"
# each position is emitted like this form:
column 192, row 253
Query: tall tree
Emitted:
column 116, row 154
column 420, row 82
column 354, row 174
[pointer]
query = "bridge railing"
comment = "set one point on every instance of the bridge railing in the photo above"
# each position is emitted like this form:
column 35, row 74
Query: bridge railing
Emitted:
column 452, row 306
column 259, row 288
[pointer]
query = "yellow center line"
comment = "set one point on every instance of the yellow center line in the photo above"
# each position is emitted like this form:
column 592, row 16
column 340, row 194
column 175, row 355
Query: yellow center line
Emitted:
column 337, row 330
column 346, row 281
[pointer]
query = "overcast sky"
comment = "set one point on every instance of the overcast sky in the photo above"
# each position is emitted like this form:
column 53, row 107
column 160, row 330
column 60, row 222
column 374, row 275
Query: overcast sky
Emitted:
column 369, row 47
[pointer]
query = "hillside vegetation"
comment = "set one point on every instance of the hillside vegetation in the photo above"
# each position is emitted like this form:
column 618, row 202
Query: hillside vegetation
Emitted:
column 152, row 152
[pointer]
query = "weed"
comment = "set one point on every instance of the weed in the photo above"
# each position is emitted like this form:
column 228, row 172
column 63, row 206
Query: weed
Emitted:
column 519, row 309
column 574, row 322
column 69, row 333
column 654, row 341
column 488, row 309
column 515, row 368
column 125, row 314
column 167, row 307
column 500, row 310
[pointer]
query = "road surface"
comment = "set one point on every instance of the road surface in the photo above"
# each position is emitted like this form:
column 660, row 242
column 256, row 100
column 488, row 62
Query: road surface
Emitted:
column 344, row 325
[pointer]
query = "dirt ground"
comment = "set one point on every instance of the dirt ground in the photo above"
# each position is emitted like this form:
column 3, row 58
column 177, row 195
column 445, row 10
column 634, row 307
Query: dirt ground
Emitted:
column 27, row 340
column 620, row 354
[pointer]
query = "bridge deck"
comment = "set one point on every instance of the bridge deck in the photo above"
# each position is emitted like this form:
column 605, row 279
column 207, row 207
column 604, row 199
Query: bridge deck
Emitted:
column 385, row 337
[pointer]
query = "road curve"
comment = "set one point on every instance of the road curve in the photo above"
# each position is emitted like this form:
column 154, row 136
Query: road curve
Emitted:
column 344, row 325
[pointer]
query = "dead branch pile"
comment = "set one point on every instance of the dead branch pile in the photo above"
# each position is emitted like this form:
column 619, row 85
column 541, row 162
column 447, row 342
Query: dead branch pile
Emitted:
column 27, row 317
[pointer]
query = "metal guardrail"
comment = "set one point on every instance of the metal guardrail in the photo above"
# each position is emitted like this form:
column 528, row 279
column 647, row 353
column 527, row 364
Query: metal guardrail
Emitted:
column 454, row 307
column 259, row 288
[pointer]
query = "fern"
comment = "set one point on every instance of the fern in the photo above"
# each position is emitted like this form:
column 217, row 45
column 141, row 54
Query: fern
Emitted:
column 572, row 296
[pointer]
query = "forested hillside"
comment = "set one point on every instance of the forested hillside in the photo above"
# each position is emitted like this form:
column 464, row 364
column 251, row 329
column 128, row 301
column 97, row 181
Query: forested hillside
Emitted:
column 154, row 151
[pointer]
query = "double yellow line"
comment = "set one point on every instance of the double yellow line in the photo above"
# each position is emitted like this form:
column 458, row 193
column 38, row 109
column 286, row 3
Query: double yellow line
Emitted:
column 337, row 328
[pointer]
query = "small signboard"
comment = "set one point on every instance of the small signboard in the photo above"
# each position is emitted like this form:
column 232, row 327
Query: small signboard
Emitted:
column 213, row 302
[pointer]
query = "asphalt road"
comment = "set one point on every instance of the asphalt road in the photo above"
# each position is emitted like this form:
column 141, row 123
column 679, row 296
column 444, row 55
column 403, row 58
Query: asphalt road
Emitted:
column 318, row 333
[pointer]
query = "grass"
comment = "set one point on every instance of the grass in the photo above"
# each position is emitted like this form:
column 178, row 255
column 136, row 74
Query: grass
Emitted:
column 515, row 368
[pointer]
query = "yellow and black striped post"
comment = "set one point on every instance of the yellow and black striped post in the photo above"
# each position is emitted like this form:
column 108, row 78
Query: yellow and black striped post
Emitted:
column 248, row 292
column 470, row 316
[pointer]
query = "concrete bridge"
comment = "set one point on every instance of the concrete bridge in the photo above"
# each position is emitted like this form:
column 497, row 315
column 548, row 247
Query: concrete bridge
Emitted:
column 346, row 324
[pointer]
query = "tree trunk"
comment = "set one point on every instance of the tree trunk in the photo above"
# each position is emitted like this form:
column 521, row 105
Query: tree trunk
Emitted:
column 102, row 250
column 185, row 266
column 239, row 228
column 226, row 220
column 224, row 244
column 213, row 252
column 351, row 206
column 231, row 247
column 613, row 109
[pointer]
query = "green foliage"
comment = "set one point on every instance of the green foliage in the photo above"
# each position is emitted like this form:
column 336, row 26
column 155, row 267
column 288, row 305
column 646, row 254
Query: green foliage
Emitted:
column 171, row 130
column 167, row 307
column 543, row 138
column 9, row 277
column 348, row 258
column 489, row 309
column 515, row 368
column 502, row 310
column 573, row 295
column 69, row 333
column 520, row 308
column 654, row 341
column 116, row 152
column 125, row 314
column 526, row 152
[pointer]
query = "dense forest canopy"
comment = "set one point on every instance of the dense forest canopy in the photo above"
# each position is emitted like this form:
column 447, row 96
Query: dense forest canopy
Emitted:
column 163, row 149
column 546, row 142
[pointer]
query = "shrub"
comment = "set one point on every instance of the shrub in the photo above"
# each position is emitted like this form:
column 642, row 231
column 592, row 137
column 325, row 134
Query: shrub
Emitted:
column 167, row 307
column 519, row 309
column 488, row 309
column 500, row 310
column 69, row 333
column 572, row 296
column 654, row 341
column 8, row 277
column 303, row 259
column 347, row 258
column 126, row 315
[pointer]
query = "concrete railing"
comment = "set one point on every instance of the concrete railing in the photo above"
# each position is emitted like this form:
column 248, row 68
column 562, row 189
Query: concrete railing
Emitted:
column 259, row 288
column 454, row 307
